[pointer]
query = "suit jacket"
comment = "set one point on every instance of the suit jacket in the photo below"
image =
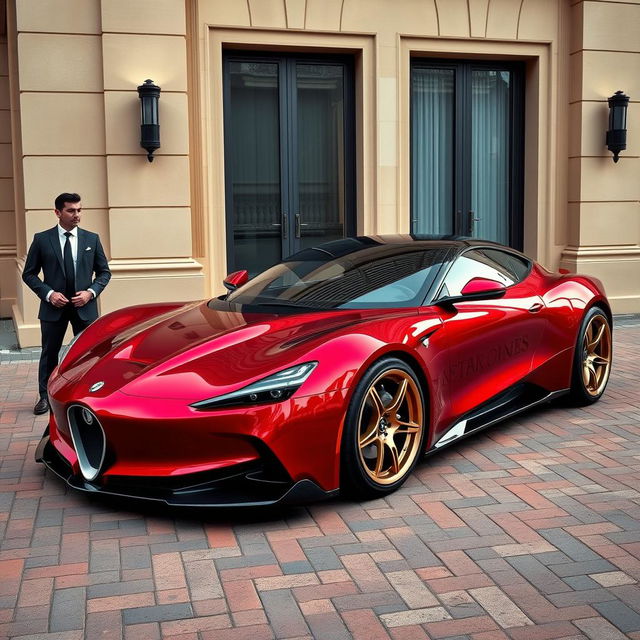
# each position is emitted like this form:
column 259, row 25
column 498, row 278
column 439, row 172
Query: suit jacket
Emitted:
column 45, row 255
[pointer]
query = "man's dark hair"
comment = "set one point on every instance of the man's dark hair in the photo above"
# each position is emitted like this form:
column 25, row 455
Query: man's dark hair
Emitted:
column 66, row 197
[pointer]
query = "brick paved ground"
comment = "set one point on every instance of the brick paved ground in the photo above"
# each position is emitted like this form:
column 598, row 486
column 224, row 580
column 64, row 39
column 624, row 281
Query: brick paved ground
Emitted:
column 530, row 531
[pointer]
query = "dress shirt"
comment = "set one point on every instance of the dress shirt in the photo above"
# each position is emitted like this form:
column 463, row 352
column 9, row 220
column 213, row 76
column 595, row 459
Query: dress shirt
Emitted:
column 73, row 239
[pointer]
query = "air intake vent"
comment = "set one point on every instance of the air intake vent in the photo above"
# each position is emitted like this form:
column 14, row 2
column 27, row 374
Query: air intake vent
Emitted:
column 88, row 440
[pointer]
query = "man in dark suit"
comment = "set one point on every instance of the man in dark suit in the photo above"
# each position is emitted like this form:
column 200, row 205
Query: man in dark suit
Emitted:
column 68, row 258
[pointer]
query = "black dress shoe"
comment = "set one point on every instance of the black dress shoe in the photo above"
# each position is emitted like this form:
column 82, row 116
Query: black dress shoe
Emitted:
column 42, row 406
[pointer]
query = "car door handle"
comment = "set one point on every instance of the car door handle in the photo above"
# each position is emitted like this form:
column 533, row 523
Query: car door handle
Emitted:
column 535, row 307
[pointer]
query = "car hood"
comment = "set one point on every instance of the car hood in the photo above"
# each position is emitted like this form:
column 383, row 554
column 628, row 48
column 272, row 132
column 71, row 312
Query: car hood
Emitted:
column 195, row 351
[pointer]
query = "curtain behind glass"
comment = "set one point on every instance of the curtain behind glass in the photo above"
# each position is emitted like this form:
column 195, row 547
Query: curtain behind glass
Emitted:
column 320, row 144
column 432, row 103
column 255, row 164
column 490, row 96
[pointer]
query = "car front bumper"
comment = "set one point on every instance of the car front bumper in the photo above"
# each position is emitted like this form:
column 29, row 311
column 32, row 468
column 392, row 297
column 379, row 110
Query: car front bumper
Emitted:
column 162, row 449
column 243, row 486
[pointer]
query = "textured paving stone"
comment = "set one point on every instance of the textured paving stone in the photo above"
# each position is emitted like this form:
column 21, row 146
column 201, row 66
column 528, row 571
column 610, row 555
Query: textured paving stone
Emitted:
column 500, row 607
column 283, row 613
column 612, row 579
column 68, row 609
column 599, row 629
column 538, row 575
column 620, row 615
column 414, row 616
column 157, row 613
column 323, row 559
column 528, row 531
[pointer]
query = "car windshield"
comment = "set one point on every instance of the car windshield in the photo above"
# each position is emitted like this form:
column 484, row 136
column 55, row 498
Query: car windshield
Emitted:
column 380, row 276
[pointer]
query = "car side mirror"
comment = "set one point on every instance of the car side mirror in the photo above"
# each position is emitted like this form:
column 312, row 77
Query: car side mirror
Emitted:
column 236, row 279
column 475, row 289
column 478, row 288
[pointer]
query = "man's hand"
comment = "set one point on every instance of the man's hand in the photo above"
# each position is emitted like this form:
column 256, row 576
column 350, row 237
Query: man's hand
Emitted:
column 81, row 298
column 58, row 299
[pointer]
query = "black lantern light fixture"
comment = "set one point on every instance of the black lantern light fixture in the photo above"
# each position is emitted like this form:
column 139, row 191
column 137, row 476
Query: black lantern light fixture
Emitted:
column 149, row 122
column 617, row 133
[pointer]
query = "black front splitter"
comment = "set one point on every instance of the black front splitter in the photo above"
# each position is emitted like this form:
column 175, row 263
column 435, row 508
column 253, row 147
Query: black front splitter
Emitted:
column 238, row 490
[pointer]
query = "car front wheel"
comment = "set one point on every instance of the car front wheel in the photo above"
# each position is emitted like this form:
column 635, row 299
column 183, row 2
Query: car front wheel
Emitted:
column 384, row 430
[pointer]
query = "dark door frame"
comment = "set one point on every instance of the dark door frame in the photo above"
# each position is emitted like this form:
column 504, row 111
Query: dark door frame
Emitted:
column 462, row 141
column 288, row 132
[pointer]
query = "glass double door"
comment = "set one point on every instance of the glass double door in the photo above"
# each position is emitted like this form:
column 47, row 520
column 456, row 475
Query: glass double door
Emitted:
column 466, row 149
column 289, row 161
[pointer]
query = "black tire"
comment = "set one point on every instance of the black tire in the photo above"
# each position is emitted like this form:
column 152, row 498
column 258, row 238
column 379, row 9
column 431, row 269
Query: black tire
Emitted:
column 384, row 430
column 592, row 359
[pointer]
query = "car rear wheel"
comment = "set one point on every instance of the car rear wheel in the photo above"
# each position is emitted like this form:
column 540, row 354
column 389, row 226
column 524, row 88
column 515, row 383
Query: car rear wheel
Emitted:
column 384, row 430
column 592, row 358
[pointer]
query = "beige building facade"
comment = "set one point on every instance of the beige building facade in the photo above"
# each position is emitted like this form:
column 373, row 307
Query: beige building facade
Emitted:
column 70, row 121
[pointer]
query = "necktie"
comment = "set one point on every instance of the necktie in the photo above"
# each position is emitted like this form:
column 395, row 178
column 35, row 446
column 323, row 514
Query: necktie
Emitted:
column 69, row 272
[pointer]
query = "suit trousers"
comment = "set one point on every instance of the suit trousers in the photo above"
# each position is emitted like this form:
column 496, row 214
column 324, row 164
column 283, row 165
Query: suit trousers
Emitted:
column 52, row 337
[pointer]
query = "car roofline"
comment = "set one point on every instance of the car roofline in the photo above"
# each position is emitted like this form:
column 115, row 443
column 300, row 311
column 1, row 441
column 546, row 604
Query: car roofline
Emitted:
column 458, row 244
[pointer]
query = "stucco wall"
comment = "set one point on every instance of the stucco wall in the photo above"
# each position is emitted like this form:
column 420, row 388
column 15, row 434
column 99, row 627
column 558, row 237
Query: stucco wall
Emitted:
column 79, row 65
column 604, row 197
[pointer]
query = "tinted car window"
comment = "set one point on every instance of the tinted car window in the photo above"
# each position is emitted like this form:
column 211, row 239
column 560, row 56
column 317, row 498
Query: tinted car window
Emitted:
column 513, row 265
column 474, row 264
column 369, row 278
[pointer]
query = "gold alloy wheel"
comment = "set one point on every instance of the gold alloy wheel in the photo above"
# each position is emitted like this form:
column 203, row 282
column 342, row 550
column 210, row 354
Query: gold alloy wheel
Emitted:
column 596, row 355
column 390, row 426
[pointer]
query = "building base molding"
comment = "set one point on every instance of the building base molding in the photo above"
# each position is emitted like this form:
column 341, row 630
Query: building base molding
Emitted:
column 132, row 282
column 601, row 252
column 137, row 281
column 28, row 333
column 618, row 266
column 157, row 266
column 7, row 283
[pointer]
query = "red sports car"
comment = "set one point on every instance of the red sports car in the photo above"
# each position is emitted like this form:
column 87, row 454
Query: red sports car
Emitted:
column 333, row 370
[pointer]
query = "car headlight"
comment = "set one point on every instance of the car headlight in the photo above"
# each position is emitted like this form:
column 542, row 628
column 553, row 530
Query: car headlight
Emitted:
column 274, row 388
column 62, row 354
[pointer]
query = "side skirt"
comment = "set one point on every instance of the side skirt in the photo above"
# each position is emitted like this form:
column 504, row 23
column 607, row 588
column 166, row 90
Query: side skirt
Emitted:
column 506, row 405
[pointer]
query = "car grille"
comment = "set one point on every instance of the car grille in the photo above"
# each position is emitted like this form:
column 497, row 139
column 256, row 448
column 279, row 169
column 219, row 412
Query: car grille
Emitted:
column 88, row 440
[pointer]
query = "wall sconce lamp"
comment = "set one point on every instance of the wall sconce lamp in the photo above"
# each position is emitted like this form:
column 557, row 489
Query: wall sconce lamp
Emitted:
column 149, row 123
column 617, row 134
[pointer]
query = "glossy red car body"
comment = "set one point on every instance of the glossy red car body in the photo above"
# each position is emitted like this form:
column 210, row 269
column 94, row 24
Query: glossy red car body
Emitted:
column 154, row 361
